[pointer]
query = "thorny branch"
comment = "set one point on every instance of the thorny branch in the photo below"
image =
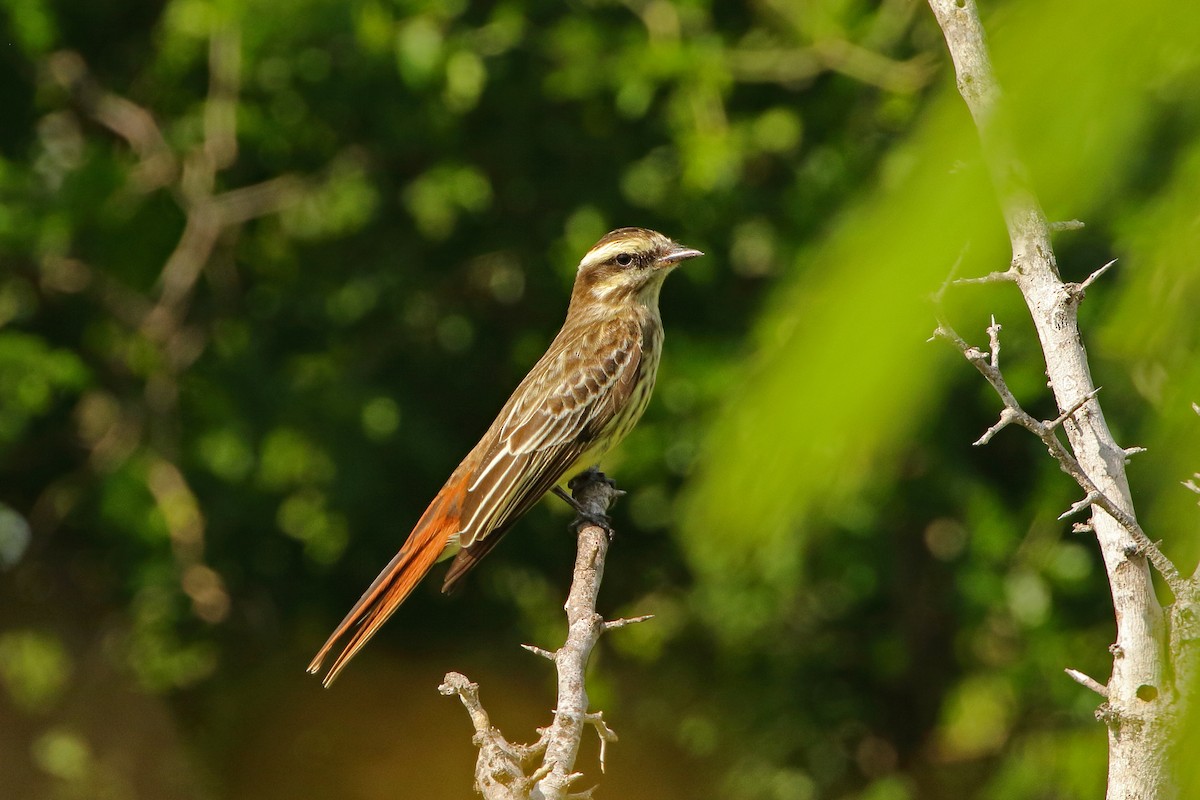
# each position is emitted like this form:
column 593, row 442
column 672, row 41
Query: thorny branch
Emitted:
column 502, row 769
column 1155, row 654
column 988, row 365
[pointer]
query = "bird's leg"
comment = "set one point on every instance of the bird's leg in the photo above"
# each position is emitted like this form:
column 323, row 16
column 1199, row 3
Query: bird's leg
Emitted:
column 566, row 498
column 593, row 492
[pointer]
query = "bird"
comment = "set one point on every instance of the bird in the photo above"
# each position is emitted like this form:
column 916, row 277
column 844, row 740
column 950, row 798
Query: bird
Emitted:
column 579, row 400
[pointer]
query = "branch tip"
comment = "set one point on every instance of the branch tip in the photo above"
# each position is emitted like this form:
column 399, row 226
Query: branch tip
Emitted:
column 1065, row 225
column 1095, row 275
column 457, row 683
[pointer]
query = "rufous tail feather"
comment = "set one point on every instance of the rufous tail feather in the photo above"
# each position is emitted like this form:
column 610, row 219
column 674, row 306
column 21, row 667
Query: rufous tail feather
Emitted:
column 397, row 580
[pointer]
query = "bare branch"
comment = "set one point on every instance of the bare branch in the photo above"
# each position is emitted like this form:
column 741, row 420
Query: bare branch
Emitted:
column 603, row 732
column 500, row 770
column 220, row 109
column 157, row 166
column 797, row 65
column 455, row 683
column 989, row 366
column 593, row 492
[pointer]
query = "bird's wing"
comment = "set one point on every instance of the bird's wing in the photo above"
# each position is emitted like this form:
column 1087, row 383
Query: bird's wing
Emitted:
column 552, row 419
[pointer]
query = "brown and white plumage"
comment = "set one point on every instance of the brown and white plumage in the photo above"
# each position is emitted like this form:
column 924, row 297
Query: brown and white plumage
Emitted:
column 581, row 398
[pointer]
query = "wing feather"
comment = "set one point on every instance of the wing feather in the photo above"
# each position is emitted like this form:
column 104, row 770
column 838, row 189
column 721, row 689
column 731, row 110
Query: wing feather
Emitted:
column 551, row 421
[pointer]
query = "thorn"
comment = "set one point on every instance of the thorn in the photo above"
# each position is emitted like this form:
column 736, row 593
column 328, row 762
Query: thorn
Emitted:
column 613, row 624
column 1075, row 508
column 1007, row 417
column 1132, row 451
column 1070, row 412
column 539, row 651
column 1077, row 291
column 993, row 332
column 1087, row 681
column 1092, row 278
column 941, row 292
column 1065, row 225
column 1006, row 276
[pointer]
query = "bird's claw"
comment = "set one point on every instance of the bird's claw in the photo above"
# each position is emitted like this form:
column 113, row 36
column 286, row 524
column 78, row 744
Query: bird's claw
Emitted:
column 601, row 521
column 584, row 516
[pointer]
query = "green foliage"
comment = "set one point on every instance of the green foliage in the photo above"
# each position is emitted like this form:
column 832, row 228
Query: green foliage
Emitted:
column 34, row 376
column 35, row 668
column 267, row 273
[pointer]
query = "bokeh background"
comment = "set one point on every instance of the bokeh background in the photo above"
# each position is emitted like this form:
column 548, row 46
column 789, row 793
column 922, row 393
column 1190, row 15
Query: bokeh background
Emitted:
column 268, row 269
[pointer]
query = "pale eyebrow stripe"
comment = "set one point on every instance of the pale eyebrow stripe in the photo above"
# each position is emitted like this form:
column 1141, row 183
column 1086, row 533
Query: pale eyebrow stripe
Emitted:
column 607, row 251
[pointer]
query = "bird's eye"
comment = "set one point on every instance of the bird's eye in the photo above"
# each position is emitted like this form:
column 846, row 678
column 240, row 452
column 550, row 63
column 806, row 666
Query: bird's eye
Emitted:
column 624, row 259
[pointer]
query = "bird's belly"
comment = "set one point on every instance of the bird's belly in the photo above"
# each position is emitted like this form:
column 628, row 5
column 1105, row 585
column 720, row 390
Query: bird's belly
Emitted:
column 616, row 430
column 627, row 417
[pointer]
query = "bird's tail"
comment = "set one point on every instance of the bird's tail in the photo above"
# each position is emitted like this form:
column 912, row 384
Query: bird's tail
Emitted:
column 402, row 574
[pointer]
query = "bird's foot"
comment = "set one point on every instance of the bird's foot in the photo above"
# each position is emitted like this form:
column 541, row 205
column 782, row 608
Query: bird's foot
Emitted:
column 591, row 493
column 601, row 521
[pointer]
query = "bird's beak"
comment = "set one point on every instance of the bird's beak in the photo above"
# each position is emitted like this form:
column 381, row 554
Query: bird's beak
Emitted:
column 678, row 253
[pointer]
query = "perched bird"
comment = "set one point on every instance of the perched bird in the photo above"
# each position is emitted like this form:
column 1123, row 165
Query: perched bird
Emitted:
column 581, row 398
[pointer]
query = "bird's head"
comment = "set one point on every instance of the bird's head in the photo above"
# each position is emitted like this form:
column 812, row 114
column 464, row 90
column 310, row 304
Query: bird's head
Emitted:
column 626, row 265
